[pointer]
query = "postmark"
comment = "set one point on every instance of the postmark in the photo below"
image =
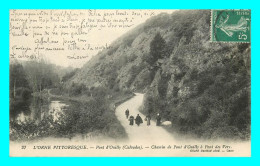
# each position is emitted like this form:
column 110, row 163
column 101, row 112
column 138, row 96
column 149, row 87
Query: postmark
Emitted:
column 231, row 26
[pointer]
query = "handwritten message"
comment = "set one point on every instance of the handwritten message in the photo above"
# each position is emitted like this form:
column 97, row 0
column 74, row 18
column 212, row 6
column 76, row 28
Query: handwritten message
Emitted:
column 64, row 35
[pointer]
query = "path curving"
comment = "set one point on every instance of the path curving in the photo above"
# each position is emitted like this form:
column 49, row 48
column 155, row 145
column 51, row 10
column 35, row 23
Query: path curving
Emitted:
column 150, row 134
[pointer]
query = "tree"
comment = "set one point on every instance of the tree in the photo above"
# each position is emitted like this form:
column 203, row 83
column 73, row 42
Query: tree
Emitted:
column 157, row 49
column 41, row 75
column 17, row 78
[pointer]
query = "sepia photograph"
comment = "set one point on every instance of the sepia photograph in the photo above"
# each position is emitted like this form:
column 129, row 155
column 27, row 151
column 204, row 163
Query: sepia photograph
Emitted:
column 130, row 83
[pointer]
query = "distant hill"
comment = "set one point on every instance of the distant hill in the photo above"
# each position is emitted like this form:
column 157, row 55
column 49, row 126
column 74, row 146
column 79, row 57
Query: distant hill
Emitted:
column 202, row 87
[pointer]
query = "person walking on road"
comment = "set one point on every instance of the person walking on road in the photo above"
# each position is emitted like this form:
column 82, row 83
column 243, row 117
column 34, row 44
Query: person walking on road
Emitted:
column 127, row 113
column 158, row 120
column 138, row 120
column 148, row 119
column 131, row 119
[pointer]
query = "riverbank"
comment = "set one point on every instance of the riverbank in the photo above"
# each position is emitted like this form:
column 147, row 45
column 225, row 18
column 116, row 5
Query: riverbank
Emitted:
column 84, row 116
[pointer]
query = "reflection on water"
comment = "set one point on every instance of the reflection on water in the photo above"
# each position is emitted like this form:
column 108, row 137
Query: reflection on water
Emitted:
column 35, row 109
column 56, row 109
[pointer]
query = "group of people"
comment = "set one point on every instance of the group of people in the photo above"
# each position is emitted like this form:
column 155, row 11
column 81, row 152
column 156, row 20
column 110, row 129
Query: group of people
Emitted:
column 138, row 120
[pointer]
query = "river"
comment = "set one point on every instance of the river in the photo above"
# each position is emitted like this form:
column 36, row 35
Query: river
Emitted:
column 36, row 109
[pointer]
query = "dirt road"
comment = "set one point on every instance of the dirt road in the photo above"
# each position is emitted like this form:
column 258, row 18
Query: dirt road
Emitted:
column 143, row 133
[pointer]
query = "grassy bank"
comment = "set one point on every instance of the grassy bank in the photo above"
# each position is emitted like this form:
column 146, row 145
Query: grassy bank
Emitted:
column 86, row 115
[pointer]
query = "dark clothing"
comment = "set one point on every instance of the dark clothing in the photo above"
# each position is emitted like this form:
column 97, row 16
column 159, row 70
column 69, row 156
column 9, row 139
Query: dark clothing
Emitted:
column 148, row 119
column 127, row 113
column 158, row 120
column 138, row 120
column 131, row 119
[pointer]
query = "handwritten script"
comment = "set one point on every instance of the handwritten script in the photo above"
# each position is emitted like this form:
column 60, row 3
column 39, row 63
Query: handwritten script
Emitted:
column 68, row 34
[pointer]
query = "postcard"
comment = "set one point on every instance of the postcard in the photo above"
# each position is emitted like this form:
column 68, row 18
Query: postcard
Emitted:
column 130, row 83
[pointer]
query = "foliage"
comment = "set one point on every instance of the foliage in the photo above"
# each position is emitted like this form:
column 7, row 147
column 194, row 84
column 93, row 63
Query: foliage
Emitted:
column 17, row 79
column 41, row 75
column 80, row 117
column 157, row 49
column 78, row 89
column 218, row 105
column 69, row 75
column 163, row 85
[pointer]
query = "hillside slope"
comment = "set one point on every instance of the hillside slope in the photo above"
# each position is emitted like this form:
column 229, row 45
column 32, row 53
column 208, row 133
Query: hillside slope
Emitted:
column 202, row 87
